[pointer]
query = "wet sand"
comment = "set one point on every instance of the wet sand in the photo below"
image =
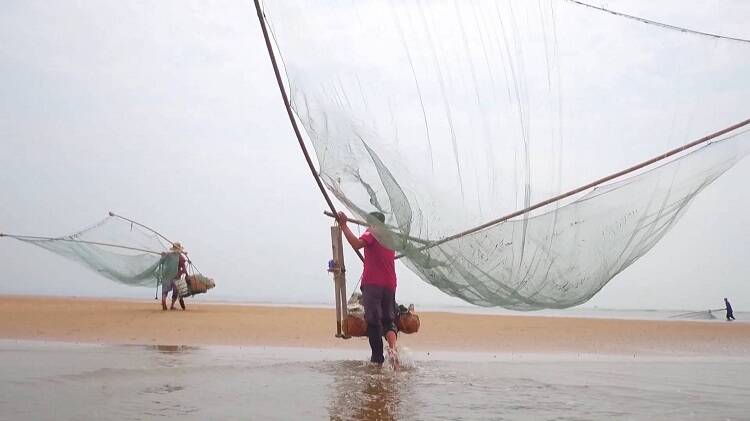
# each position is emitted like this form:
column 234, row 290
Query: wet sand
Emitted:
column 143, row 322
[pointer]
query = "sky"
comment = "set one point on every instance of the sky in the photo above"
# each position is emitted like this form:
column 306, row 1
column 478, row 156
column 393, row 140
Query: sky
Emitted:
column 168, row 113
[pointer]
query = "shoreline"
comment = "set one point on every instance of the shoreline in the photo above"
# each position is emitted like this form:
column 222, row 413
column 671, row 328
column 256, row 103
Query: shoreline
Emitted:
column 576, row 312
column 142, row 322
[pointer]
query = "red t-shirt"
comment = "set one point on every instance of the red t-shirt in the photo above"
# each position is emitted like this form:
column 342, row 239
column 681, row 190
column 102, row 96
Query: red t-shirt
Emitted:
column 181, row 266
column 380, row 268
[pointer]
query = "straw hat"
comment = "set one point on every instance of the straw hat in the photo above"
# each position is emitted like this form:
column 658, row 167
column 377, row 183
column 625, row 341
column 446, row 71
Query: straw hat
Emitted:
column 176, row 246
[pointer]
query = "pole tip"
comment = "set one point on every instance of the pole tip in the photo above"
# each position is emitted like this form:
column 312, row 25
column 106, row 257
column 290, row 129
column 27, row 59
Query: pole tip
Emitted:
column 111, row 213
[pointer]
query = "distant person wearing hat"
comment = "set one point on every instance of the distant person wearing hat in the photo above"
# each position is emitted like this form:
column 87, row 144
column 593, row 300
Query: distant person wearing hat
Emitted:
column 378, row 287
column 730, row 313
column 171, row 285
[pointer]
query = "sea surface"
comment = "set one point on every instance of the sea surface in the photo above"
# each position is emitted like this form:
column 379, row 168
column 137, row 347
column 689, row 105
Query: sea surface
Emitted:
column 56, row 381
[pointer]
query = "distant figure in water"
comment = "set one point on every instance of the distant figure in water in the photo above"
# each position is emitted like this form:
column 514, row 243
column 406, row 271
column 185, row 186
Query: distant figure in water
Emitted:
column 171, row 285
column 730, row 313
column 378, row 288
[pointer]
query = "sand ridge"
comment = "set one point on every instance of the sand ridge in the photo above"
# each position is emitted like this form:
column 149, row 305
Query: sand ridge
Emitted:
column 143, row 322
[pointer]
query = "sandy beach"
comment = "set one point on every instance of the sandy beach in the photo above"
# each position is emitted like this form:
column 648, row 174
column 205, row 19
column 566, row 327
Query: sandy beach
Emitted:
column 143, row 322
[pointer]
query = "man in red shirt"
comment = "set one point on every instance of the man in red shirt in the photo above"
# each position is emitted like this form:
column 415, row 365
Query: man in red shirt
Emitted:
column 378, row 287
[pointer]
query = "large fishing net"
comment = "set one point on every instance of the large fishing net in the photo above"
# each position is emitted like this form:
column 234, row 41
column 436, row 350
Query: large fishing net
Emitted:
column 116, row 249
column 445, row 115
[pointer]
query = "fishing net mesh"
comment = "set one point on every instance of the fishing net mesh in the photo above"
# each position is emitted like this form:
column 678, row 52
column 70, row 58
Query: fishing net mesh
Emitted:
column 444, row 115
column 117, row 250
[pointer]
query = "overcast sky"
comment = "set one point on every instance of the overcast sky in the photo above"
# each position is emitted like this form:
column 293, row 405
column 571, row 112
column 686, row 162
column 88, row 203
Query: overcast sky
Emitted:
column 167, row 112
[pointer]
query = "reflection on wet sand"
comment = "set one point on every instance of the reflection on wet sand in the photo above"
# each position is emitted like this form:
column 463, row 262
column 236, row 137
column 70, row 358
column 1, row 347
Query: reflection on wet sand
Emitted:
column 172, row 349
column 171, row 356
column 365, row 391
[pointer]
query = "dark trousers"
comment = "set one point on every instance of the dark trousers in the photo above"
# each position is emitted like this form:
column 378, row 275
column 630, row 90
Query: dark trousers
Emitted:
column 380, row 313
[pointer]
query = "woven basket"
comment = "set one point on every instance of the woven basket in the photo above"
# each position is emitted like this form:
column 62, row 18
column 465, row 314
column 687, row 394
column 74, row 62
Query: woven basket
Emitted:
column 182, row 287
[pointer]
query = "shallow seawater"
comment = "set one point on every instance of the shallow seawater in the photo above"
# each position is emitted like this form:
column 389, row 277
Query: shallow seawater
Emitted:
column 52, row 381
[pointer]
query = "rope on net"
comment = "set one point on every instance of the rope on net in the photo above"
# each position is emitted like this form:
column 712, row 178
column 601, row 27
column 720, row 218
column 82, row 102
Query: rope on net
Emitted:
column 659, row 24
column 72, row 240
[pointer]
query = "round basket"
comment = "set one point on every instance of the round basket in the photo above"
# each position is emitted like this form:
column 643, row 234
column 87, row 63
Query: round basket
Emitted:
column 408, row 323
column 355, row 324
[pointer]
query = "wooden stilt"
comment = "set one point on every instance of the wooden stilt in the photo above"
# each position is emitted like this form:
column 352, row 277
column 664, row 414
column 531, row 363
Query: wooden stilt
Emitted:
column 344, row 297
column 339, row 281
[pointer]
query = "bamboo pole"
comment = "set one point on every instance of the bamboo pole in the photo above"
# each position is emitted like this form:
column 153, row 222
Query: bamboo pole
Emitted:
column 155, row 232
column 290, row 114
column 659, row 24
column 142, row 226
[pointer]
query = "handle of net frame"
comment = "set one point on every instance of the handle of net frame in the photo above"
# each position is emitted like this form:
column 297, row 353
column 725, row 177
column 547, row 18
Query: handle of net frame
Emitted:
column 390, row 227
